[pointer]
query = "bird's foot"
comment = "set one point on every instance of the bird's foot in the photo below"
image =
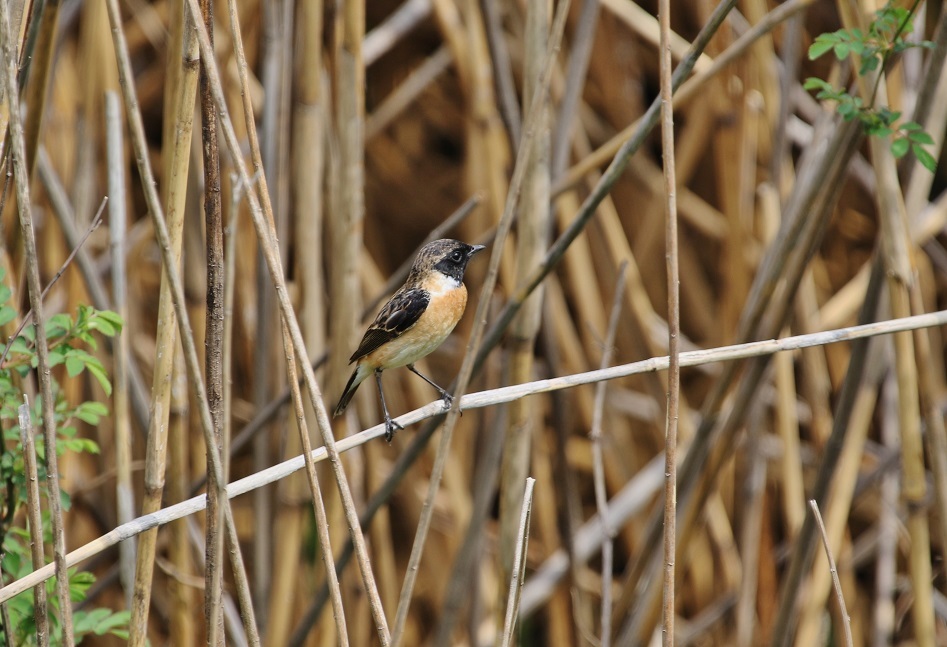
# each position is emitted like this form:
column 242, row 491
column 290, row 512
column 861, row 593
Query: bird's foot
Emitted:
column 448, row 401
column 390, row 427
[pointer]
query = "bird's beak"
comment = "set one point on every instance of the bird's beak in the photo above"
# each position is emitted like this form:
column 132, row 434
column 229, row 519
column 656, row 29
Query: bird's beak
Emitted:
column 475, row 248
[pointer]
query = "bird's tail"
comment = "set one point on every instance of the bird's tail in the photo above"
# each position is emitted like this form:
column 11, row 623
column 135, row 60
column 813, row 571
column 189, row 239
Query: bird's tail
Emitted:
column 358, row 375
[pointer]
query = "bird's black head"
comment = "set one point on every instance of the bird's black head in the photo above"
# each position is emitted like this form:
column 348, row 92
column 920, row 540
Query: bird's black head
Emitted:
column 450, row 257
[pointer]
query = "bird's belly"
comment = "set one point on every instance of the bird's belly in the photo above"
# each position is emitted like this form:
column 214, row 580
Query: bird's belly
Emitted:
column 432, row 328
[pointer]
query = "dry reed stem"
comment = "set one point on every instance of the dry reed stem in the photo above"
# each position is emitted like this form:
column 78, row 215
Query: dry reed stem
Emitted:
column 124, row 488
column 65, row 216
column 582, row 40
column 302, row 426
column 883, row 615
column 895, row 245
column 265, row 237
column 213, row 349
column 34, row 512
column 533, row 227
column 648, row 27
column 838, row 506
column 519, row 563
column 846, row 621
column 674, row 324
column 642, row 128
column 466, row 370
column 36, row 72
column 396, row 26
column 598, row 464
column 505, row 87
column 161, row 229
column 180, row 123
column 406, row 93
column 846, row 406
column 687, row 92
column 486, row 399
column 21, row 183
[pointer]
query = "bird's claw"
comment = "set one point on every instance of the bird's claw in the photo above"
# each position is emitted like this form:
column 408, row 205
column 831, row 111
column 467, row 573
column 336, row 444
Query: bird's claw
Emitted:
column 390, row 427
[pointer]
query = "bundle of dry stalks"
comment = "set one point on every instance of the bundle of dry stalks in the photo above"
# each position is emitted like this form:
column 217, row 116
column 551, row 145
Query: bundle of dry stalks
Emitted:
column 260, row 199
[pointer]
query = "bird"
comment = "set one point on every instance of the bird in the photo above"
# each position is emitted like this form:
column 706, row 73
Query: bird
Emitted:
column 415, row 321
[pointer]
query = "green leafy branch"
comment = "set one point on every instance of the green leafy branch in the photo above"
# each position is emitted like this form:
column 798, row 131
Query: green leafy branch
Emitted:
column 69, row 339
column 874, row 48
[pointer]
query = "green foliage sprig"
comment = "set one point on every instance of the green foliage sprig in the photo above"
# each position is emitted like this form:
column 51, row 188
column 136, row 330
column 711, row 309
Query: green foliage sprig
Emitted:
column 69, row 340
column 884, row 38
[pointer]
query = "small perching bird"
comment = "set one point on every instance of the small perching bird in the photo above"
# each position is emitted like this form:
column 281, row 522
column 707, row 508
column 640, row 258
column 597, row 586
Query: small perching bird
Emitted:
column 415, row 321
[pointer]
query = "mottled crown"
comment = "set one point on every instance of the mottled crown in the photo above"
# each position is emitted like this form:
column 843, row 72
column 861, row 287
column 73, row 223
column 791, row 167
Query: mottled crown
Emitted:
column 446, row 255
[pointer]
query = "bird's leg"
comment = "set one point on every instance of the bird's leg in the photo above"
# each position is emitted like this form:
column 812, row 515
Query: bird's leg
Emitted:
column 390, row 425
column 445, row 396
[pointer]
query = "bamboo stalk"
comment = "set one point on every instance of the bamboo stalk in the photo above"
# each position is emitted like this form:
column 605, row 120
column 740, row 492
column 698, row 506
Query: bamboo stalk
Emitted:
column 21, row 182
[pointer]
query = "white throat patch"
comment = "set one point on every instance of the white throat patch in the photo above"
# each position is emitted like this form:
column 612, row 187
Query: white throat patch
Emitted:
column 441, row 283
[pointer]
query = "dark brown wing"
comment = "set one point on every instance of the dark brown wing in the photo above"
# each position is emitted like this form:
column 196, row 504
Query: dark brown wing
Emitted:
column 398, row 315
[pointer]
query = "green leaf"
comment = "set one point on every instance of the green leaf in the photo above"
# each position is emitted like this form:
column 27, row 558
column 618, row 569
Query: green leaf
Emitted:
column 846, row 109
column 58, row 325
column 91, row 412
column 842, row 50
column 7, row 314
column 56, row 358
column 899, row 147
column 98, row 371
column 74, row 364
column 112, row 317
column 815, row 83
column 820, row 47
column 921, row 138
column 103, row 326
column 925, row 158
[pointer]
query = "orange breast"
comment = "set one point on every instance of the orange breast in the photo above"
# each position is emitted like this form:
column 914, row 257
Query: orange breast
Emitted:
column 435, row 324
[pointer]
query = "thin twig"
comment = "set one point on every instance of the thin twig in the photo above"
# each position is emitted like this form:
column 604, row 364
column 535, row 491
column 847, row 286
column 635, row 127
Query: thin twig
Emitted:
column 674, row 322
column 29, row 315
column 66, row 217
column 843, row 610
column 519, row 566
column 476, row 401
column 598, row 460
column 35, row 513
column 22, row 185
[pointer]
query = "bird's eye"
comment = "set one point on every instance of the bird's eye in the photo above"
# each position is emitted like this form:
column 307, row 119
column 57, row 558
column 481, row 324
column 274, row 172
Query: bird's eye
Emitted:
column 457, row 256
